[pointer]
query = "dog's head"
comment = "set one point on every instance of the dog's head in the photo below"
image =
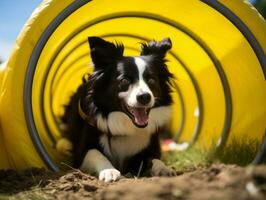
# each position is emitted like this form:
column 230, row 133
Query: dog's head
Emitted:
column 133, row 86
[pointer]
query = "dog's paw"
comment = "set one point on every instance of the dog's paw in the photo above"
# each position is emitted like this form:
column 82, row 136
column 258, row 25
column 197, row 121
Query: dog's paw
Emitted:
column 163, row 171
column 64, row 146
column 160, row 169
column 108, row 175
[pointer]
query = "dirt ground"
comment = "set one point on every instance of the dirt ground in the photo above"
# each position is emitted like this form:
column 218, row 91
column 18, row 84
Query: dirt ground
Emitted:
column 218, row 181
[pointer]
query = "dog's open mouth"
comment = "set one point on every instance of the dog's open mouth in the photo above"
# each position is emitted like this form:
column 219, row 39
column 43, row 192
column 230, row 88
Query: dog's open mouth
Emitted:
column 139, row 115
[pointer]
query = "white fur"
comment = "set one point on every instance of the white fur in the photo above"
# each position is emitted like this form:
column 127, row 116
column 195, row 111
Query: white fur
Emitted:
column 108, row 175
column 133, row 139
column 130, row 96
column 95, row 162
column 102, row 123
column 119, row 123
column 124, row 146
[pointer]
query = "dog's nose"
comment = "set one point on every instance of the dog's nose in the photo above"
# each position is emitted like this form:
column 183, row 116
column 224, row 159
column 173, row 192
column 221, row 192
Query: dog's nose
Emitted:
column 144, row 98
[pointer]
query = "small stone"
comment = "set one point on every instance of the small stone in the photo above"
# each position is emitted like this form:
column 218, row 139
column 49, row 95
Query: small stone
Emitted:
column 90, row 188
column 177, row 193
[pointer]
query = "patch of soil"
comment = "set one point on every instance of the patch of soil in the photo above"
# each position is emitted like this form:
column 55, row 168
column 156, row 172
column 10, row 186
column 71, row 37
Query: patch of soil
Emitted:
column 215, row 182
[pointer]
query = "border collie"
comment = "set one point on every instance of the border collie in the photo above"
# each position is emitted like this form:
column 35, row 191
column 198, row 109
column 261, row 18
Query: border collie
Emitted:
column 114, row 119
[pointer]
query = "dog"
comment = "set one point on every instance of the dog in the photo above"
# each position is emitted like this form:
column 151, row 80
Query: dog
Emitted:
column 115, row 118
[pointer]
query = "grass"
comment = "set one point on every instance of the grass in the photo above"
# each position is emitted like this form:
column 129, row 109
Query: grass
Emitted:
column 187, row 160
column 30, row 194
column 240, row 151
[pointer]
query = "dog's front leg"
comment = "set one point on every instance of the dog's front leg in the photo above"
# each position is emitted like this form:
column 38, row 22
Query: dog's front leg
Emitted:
column 158, row 168
column 96, row 162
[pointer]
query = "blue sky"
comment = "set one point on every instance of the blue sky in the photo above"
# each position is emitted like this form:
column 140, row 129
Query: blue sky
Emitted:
column 13, row 15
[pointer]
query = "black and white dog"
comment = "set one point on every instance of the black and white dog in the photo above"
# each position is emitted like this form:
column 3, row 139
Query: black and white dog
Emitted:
column 115, row 118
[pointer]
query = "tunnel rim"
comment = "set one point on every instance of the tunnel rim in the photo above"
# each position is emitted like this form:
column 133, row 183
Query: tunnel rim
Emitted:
column 243, row 28
column 27, row 96
column 61, row 17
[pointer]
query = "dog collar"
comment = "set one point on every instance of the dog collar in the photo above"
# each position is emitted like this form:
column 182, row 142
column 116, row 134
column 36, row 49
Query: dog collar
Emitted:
column 84, row 116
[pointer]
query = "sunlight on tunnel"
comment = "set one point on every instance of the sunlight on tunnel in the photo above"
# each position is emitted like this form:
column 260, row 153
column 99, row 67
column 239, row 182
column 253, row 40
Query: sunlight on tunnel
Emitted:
column 217, row 71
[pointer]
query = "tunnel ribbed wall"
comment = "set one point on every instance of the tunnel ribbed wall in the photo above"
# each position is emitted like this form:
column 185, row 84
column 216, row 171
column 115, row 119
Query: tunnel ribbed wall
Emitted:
column 218, row 58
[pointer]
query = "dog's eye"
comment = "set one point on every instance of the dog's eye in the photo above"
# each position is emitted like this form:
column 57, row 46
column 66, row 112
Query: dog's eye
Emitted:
column 124, row 83
column 151, row 81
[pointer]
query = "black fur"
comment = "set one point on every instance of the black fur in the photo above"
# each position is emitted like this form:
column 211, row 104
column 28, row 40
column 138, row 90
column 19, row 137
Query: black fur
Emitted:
column 99, row 94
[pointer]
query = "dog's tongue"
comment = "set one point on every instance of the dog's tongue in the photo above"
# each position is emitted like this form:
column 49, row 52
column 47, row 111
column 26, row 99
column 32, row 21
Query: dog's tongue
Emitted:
column 141, row 116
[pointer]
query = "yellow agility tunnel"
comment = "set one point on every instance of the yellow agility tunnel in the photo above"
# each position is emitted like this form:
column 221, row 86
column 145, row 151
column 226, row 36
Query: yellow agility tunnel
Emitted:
column 218, row 57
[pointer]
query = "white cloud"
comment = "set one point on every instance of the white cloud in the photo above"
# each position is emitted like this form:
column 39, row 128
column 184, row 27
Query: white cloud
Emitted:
column 5, row 49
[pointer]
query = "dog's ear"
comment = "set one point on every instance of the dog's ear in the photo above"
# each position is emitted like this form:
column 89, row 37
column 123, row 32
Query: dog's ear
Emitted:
column 104, row 53
column 156, row 48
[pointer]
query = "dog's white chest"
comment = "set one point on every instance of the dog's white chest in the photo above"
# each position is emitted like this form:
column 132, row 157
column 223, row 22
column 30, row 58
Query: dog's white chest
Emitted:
column 125, row 146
